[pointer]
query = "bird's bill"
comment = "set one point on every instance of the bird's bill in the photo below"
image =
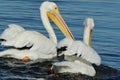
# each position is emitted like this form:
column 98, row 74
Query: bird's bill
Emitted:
column 60, row 23
column 90, row 38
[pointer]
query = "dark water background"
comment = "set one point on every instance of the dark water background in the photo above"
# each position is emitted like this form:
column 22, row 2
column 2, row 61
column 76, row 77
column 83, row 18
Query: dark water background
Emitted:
column 106, row 35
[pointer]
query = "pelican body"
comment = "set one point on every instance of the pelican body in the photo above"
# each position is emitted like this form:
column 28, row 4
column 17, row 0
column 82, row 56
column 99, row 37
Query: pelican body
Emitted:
column 39, row 45
column 78, row 55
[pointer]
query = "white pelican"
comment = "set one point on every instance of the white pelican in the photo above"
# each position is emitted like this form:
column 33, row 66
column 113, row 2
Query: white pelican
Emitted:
column 40, row 46
column 78, row 55
column 79, row 48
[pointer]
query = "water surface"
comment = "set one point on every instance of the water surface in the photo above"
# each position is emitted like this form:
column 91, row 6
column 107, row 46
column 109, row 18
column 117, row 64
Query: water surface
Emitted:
column 106, row 13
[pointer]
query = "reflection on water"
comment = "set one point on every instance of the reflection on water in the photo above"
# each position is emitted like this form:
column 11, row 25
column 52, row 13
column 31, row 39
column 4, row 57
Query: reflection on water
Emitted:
column 105, row 36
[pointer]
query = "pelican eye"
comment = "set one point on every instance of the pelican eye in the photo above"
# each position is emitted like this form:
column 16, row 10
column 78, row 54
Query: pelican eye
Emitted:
column 56, row 9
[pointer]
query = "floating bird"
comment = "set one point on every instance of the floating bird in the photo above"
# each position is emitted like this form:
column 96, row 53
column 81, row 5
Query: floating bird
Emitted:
column 76, row 65
column 83, row 48
column 77, row 56
column 36, row 44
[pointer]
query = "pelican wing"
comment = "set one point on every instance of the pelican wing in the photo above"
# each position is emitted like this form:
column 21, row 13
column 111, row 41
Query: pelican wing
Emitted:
column 74, row 67
column 11, row 32
column 26, row 38
column 79, row 49
column 65, row 42
column 31, row 38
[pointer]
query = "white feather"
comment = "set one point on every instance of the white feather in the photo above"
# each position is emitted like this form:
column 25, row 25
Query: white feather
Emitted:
column 74, row 67
column 33, row 55
column 11, row 32
column 82, row 50
column 41, row 46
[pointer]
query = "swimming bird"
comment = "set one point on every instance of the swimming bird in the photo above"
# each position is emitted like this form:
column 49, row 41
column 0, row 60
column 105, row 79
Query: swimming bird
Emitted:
column 77, row 56
column 37, row 45
column 83, row 48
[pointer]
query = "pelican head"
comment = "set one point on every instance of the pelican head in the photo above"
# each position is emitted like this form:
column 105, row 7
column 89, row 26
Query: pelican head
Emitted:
column 49, row 10
column 89, row 25
column 89, row 22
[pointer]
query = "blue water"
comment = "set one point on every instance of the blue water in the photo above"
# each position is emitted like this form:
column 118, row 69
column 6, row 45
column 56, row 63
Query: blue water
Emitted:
column 106, row 13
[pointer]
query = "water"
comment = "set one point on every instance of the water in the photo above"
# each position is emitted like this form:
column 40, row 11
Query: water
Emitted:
column 106, row 35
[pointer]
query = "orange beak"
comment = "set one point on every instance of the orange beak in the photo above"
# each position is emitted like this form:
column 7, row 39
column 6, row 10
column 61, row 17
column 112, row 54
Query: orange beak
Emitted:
column 60, row 23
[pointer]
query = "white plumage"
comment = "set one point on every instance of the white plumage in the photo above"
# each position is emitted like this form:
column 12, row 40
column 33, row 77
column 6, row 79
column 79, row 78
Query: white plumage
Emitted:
column 40, row 46
column 77, row 50
column 25, row 38
column 11, row 32
column 43, row 48
column 82, row 49
column 74, row 67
